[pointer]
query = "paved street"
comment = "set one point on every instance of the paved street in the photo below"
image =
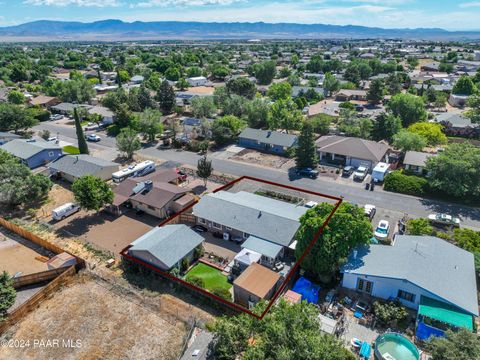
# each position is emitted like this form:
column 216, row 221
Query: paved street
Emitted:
column 414, row 206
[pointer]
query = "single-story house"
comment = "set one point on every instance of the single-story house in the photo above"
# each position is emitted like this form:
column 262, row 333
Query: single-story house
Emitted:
column 433, row 66
column 268, row 226
column 458, row 100
column 424, row 273
column 197, row 81
column 107, row 115
column 45, row 101
column 72, row 167
column 415, row 161
column 67, row 108
column 301, row 90
column 165, row 247
column 457, row 120
column 7, row 136
column 153, row 194
column 467, row 65
column 349, row 95
column 267, row 140
column 351, row 151
column 254, row 284
column 137, row 79
column 33, row 154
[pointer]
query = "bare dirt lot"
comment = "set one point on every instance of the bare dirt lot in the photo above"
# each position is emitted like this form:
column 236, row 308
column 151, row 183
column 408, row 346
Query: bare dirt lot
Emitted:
column 59, row 195
column 106, row 324
column 19, row 255
column 262, row 159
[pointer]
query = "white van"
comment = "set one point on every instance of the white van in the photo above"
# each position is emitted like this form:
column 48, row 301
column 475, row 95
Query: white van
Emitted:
column 65, row 210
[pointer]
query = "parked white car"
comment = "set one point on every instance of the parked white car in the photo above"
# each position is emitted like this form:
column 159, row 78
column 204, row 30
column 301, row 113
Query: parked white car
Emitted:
column 381, row 232
column 370, row 211
column 361, row 173
column 444, row 219
column 93, row 137
column 65, row 210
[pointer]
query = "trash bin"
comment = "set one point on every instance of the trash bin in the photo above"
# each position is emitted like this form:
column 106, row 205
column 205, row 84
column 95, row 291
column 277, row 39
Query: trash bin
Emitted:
column 372, row 186
column 367, row 186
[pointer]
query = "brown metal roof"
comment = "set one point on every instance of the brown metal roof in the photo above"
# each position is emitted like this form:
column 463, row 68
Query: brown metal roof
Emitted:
column 257, row 280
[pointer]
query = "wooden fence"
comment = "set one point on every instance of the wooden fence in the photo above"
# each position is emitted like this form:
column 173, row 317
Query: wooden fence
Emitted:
column 39, row 241
column 36, row 278
column 36, row 299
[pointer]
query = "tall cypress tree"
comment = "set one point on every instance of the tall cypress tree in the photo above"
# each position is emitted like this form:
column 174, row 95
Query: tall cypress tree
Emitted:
column 82, row 143
column 204, row 169
column 306, row 152
column 166, row 97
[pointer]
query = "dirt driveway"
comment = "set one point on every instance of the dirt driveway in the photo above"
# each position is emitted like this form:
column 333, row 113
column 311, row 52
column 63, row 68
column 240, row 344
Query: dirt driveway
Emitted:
column 105, row 231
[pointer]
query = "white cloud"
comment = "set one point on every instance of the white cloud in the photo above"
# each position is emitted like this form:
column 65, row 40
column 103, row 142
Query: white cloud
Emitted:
column 166, row 3
column 82, row 3
column 470, row 4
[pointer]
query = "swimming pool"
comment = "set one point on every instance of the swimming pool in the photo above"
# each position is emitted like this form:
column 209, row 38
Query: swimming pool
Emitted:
column 392, row 346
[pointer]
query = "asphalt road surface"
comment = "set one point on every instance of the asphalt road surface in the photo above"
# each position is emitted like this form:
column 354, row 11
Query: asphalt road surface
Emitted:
column 413, row 206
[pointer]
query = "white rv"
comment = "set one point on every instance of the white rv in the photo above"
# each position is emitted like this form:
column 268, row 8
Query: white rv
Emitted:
column 65, row 210
column 135, row 170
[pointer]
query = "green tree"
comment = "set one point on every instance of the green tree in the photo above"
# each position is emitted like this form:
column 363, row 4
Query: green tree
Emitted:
column 386, row 126
column 456, row 345
column 431, row 132
column 173, row 73
column 203, row 107
column 280, row 91
column 242, row 86
column 204, row 169
column 407, row 141
column 226, row 129
column 375, row 92
column 166, row 97
column 474, row 112
column 16, row 97
column 321, row 123
column 234, row 105
column 257, row 112
column 7, row 294
column 306, row 151
column 456, row 170
column 330, row 84
column 419, row 227
column 128, row 142
column 182, row 84
column 464, row 86
column 288, row 331
column 347, row 229
column 92, row 193
column 409, row 108
column 284, row 114
column 82, row 142
column 467, row 239
column 265, row 72
column 151, row 123
column 16, row 118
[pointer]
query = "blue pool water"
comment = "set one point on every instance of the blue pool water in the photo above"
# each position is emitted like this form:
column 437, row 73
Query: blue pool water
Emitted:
column 393, row 346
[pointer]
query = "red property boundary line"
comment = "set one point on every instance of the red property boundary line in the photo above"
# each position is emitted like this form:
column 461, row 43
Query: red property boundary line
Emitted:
column 124, row 252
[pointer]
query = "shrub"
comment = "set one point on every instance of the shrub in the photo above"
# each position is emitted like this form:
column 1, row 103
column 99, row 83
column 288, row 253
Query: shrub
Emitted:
column 419, row 227
column 390, row 313
column 196, row 280
column 222, row 292
column 184, row 264
column 199, row 251
column 405, row 184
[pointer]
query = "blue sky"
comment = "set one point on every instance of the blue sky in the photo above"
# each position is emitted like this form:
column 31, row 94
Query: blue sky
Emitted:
column 447, row 14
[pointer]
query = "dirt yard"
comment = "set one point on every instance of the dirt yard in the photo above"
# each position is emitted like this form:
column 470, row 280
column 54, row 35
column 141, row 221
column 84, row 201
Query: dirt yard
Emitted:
column 262, row 159
column 19, row 255
column 59, row 195
column 102, row 323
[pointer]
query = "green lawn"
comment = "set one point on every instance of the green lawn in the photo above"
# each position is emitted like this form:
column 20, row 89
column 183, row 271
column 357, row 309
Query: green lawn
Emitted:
column 71, row 150
column 212, row 277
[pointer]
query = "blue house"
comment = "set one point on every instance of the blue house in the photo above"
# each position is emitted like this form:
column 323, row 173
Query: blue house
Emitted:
column 267, row 140
column 33, row 154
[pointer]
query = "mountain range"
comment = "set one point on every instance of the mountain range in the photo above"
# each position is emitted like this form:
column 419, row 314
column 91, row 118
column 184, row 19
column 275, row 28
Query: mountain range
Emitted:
column 115, row 30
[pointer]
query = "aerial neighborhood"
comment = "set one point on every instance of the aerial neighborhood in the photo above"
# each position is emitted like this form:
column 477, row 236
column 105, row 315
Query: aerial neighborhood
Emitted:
column 257, row 199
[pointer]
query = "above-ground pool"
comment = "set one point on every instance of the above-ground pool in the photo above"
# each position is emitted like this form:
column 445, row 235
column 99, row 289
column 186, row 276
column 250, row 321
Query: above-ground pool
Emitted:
column 392, row 346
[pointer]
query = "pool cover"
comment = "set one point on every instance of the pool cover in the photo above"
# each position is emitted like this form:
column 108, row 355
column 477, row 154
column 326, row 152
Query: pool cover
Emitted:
column 308, row 290
column 424, row 331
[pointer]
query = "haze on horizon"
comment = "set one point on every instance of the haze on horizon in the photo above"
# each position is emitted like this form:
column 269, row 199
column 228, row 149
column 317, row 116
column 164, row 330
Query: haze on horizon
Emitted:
column 445, row 14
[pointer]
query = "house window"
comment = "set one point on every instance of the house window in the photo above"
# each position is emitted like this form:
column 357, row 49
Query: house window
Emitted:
column 228, row 228
column 364, row 285
column 217, row 226
column 201, row 221
column 406, row 296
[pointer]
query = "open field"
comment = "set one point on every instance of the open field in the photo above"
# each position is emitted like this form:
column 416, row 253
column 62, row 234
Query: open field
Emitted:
column 212, row 277
column 18, row 255
column 107, row 324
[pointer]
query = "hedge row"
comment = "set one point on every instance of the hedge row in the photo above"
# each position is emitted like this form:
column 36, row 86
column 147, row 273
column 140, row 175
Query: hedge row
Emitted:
column 396, row 181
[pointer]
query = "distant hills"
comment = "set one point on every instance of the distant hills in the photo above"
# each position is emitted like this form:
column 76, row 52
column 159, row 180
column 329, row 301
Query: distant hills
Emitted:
column 114, row 30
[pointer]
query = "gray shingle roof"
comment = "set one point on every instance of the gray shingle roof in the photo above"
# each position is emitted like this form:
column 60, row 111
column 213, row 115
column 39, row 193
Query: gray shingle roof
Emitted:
column 351, row 146
column 416, row 158
column 261, row 246
column 269, row 137
column 169, row 243
column 456, row 119
column 80, row 165
column 431, row 263
column 25, row 150
column 263, row 217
